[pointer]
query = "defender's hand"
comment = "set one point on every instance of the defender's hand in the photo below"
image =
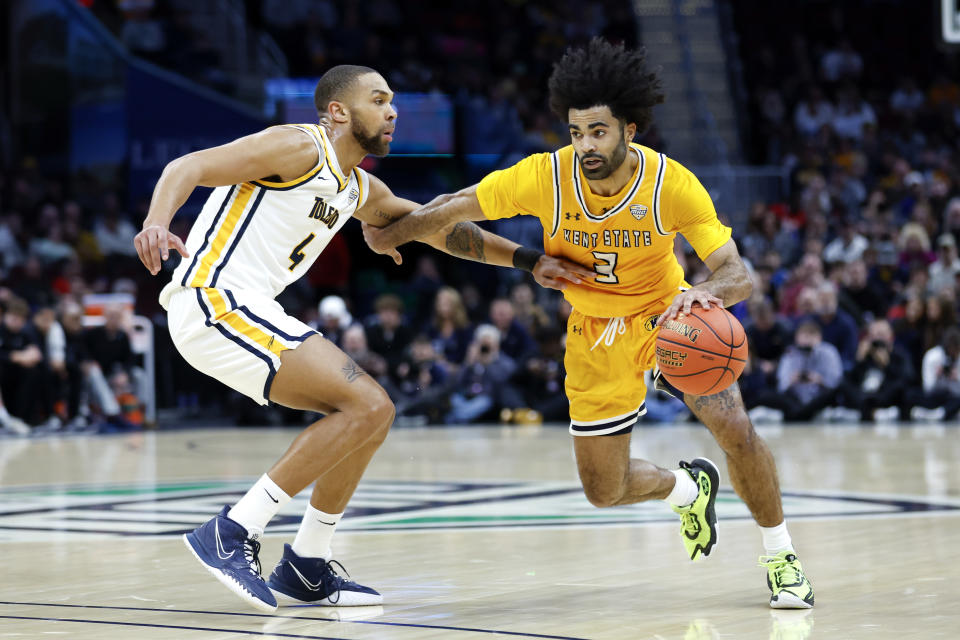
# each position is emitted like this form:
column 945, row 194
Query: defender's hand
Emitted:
column 153, row 246
column 556, row 273
column 683, row 302
column 374, row 238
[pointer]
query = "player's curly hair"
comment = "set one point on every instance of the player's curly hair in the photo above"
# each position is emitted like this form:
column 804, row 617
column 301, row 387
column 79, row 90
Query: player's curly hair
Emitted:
column 606, row 74
column 335, row 82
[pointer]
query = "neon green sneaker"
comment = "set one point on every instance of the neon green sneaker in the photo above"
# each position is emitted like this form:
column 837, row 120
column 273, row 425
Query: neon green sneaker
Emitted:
column 790, row 588
column 698, row 524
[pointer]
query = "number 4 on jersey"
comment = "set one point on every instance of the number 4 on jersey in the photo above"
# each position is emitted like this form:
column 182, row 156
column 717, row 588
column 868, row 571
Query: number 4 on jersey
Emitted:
column 297, row 255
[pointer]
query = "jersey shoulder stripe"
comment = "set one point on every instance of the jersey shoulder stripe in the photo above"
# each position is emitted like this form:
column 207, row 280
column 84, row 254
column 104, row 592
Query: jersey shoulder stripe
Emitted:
column 314, row 132
column 555, row 173
column 361, row 190
column 334, row 170
column 658, row 187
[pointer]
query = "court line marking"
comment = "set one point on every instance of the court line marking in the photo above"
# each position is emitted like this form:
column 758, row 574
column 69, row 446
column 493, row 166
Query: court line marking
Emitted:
column 264, row 615
column 173, row 626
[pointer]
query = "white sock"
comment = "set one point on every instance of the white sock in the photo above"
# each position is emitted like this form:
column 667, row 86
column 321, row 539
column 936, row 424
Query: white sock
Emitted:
column 684, row 491
column 776, row 539
column 258, row 506
column 3, row 413
column 315, row 533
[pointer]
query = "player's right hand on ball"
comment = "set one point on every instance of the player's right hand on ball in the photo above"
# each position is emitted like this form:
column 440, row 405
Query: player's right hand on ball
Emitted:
column 153, row 246
column 557, row 273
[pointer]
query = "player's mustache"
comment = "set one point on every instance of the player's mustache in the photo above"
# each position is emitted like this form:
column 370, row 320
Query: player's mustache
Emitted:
column 588, row 156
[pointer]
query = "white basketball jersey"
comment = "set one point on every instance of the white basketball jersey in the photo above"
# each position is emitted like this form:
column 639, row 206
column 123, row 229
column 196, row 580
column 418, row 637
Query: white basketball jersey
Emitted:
column 263, row 235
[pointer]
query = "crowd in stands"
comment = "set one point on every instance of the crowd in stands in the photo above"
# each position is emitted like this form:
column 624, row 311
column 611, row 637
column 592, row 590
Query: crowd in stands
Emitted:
column 493, row 58
column 858, row 272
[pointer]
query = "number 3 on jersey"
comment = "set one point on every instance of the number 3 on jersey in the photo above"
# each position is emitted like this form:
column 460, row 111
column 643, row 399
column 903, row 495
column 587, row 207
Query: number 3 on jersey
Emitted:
column 605, row 268
column 297, row 255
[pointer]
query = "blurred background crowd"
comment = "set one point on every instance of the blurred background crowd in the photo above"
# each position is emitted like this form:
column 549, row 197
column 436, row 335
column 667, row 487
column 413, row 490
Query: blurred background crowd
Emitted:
column 856, row 267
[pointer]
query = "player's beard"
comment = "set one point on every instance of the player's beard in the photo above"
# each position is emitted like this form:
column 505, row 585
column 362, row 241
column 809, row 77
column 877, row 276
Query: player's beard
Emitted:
column 608, row 166
column 374, row 145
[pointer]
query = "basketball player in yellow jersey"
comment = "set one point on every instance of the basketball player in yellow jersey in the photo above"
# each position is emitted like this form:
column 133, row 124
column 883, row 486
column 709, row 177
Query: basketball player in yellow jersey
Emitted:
column 279, row 197
column 616, row 206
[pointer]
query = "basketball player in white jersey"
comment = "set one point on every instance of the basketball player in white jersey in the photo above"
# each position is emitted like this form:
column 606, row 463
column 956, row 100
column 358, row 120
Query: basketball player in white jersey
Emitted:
column 279, row 197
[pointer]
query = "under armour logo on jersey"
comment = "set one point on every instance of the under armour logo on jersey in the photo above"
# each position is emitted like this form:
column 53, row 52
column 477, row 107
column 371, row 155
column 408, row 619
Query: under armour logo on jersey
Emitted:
column 575, row 216
column 577, row 330
column 354, row 194
column 638, row 211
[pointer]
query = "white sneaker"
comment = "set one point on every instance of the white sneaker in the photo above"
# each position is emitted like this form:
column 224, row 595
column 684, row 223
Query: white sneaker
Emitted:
column 16, row 425
column 845, row 414
column 886, row 414
column 51, row 424
column 765, row 415
column 930, row 415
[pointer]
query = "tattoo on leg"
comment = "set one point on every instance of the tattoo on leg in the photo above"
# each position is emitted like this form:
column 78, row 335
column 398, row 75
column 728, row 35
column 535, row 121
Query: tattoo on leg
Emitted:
column 727, row 400
column 351, row 371
column 466, row 241
column 384, row 215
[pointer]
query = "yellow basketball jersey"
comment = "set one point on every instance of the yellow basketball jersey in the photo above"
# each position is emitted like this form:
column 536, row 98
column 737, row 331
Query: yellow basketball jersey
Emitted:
column 627, row 238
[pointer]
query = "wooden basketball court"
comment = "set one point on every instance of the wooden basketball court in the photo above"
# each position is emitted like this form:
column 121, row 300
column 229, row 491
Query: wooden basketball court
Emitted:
column 483, row 532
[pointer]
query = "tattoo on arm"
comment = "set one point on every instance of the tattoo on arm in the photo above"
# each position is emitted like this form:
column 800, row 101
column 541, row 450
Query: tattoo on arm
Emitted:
column 351, row 371
column 466, row 241
column 383, row 215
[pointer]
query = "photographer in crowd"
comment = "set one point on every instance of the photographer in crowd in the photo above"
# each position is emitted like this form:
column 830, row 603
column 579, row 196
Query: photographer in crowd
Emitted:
column 881, row 375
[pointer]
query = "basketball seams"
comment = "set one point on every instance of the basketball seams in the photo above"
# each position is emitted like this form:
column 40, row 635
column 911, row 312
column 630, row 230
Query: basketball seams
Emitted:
column 714, row 331
column 702, row 371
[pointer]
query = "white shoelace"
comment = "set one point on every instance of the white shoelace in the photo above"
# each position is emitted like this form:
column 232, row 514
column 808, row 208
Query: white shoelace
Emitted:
column 615, row 327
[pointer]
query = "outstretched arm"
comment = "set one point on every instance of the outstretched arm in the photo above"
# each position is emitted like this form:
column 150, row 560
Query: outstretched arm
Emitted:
column 423, row 221
column 450, row 229
column 278, row 151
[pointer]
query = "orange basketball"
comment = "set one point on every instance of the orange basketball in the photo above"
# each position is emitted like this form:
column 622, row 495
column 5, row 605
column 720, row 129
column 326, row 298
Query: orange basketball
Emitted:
column 702, row 352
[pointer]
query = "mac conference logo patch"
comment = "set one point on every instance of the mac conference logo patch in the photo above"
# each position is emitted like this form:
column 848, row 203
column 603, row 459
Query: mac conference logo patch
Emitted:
column 638, row 211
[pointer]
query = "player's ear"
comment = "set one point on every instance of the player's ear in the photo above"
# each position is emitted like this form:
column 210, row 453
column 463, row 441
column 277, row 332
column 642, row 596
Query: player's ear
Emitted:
column 630, row 131
column 337, row 112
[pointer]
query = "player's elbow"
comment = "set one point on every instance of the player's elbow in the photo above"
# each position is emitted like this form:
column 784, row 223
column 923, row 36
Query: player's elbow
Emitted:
column 186, row 167
column 747, row 285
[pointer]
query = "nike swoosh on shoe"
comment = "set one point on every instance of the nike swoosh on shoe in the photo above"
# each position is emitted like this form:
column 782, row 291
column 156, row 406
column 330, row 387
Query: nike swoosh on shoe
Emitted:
column 220, row 549
column 303, row 579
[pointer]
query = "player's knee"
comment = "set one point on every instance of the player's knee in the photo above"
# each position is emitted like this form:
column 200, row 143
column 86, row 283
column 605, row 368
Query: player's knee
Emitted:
column 378, row 414
column 601, row 493
column 738, row 437
column 382, row 415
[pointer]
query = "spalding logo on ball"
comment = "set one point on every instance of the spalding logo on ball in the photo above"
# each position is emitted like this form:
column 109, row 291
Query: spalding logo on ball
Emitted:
column 702, row 352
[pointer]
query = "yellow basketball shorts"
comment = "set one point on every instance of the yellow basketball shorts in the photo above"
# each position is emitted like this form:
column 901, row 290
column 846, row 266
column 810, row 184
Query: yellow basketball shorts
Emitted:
column 605, row 360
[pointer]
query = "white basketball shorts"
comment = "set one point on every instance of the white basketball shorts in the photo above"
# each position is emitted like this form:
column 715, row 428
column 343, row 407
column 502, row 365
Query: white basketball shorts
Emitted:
column 232, row 335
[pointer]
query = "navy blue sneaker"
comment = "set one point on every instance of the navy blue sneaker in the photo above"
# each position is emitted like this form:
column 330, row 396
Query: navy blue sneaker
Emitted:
column 314, row 581
column 224, row 548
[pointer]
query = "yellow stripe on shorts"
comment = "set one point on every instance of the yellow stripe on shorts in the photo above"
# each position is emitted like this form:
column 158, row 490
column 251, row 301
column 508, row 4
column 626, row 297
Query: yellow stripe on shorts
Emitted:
column 237, row 323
